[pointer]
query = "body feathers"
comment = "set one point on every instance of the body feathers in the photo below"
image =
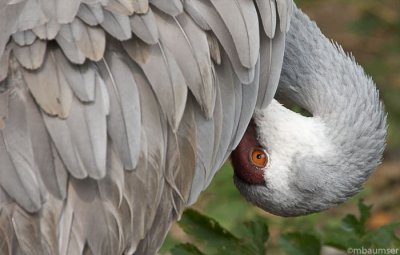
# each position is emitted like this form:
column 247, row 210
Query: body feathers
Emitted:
column 115, row 114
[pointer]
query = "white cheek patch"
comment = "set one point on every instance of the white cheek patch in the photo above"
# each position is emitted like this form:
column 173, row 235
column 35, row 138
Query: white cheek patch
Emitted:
column 286, row 134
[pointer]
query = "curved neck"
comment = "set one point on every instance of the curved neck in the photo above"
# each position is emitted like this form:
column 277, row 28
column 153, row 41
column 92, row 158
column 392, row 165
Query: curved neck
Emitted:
column 333, row 152
column 320, row 77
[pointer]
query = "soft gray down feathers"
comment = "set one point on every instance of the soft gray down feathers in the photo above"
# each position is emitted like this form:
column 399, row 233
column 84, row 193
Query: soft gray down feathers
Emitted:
column 116, row 114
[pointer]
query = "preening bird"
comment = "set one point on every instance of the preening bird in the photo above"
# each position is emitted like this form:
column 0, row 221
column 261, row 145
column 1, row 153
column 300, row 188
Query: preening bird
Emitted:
column 116, row 114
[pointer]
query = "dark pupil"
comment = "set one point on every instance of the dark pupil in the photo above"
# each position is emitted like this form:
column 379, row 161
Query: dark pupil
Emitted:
column 259, row 156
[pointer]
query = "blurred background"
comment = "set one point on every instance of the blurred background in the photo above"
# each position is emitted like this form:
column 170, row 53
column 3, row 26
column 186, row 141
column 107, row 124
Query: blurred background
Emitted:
column 370, row 30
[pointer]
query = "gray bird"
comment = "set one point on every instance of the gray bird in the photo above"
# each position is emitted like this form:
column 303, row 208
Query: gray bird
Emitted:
column 116, row 114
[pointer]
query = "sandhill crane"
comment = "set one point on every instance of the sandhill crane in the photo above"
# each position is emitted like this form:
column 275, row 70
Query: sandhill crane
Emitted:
column 116, row 114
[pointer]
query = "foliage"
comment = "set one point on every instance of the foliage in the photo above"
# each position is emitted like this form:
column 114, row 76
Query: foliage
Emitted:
column 208, row 237
column 353, row 232
column 300, row 244
column 212, row 238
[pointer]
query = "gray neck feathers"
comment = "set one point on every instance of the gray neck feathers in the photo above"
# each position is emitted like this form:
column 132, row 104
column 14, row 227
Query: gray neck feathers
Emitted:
column 320, row 77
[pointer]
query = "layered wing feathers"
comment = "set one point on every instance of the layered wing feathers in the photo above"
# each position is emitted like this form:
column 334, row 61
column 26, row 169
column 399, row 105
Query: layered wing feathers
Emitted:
column 116, row 114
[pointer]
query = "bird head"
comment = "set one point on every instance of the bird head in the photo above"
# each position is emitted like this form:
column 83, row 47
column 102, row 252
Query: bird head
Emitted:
column 289, row 164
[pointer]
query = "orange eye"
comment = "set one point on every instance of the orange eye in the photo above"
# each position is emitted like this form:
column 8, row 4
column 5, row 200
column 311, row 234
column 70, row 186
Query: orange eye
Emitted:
column 259, row 158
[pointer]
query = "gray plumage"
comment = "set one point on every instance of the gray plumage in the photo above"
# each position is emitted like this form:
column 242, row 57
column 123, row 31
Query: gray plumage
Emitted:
column 145, row 27
column 91, row 14
column 23, row 38
column 124, row 119
column 346, row 113
column 81, row 78
column 172, row 8
column 117, row 25
column 30, row 56
column 116, row 114
column 18, row 173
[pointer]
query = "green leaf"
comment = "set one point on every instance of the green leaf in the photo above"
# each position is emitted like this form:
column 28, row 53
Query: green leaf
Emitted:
column 208, row 231
column 185, row 249
column 300, row 244
column 217, row 240
column 351, row 224
column 255, row 233
column 204, row 227
column 384, row 237
column 353, row 233
column 365, row 211
column 341, row 239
